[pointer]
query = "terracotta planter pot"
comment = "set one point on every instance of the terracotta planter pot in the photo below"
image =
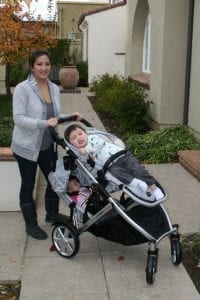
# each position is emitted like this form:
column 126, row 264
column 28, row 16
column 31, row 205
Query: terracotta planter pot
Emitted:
column 69, row 77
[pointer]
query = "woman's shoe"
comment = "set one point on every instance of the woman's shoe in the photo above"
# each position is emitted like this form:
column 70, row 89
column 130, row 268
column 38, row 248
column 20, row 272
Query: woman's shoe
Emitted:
column 36, row 232
column 30, row 218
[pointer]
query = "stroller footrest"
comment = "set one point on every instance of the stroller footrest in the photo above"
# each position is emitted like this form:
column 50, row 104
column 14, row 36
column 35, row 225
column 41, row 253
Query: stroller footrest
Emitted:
column 146, row 199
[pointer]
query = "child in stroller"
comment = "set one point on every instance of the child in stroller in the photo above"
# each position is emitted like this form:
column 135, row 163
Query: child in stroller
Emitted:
column 135, row 215
column 86, row 198
column 124, row 167
column 78, row 193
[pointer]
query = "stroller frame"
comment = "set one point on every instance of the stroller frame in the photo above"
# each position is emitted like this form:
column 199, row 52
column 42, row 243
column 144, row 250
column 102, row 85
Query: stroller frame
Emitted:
column 65, row 236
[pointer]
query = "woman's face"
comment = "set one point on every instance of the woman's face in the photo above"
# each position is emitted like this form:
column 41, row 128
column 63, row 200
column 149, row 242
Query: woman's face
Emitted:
column 42, row 67
column 78, row 138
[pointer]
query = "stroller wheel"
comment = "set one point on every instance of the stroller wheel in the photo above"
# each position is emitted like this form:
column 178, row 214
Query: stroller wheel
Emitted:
column 176, row 251
column 65, row 240
column 151, row 268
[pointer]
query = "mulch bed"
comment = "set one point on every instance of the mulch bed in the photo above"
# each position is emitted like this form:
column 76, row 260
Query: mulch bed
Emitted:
column 10, row 291
column 191, row 260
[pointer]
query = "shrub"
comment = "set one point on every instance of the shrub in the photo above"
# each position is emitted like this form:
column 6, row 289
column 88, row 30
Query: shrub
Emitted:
column 82, row 67
column 6, row 121
column 101, row 83
column 18, row 72
column 61, row 52
column 162, row 146
column 125, row 102
column 6, row 128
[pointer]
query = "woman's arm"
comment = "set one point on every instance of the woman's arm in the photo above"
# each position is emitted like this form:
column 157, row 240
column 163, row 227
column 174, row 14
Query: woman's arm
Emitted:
column 27, row 111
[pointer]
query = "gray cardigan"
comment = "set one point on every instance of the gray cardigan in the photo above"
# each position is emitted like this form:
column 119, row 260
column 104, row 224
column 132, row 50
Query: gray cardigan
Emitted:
column 29, row 115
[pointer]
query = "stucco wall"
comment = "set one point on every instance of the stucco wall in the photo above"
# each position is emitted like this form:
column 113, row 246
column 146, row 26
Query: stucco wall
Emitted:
column 194, row 101
column 103, row 44
column 69, row 14
column 169, row 37
column 137, row 13
column 168, row 55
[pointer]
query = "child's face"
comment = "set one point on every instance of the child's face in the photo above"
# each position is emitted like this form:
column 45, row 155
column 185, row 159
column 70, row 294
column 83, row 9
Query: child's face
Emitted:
column 73, row 185
column 78, row 138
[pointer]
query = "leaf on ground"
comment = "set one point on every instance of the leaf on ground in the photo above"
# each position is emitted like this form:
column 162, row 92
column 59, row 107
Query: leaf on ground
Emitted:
column 52, row 248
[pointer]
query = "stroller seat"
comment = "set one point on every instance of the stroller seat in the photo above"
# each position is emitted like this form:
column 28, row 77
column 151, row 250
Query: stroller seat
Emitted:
column 135, row 193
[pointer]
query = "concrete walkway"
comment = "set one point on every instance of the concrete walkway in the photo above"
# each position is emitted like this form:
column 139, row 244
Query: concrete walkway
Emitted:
column 101, row 270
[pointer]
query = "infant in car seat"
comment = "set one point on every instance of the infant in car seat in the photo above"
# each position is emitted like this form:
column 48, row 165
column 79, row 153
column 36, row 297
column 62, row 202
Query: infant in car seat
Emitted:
column 79, row 194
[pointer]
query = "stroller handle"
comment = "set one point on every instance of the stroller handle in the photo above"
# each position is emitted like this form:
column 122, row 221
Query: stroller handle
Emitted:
column 73, row 118
column 67, row 119
column 60, row 141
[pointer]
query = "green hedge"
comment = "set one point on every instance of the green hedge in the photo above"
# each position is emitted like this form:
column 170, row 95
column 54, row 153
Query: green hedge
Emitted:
column 6, row 121
column 18, row 72
column 123, row 101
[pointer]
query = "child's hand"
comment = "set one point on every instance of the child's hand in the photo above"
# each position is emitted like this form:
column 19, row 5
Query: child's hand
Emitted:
column 78, row 115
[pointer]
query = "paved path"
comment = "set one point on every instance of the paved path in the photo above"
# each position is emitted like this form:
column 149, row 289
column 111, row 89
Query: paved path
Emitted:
column 96, row 272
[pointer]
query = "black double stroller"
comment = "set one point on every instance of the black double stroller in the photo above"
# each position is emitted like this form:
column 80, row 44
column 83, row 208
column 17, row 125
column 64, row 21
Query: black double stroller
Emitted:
column 127, row 219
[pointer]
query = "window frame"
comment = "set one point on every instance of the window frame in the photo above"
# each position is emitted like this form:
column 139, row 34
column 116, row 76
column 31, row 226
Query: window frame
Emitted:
column 146, row 58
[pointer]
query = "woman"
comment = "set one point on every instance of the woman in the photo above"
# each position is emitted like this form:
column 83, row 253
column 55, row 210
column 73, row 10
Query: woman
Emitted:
column 36, row 106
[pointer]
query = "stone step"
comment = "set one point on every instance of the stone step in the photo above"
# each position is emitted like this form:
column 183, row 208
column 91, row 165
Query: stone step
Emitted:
column 190, row 160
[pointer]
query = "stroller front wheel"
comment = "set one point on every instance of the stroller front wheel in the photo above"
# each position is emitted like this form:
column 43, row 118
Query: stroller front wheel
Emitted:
column 65, row 240
column 151, row 268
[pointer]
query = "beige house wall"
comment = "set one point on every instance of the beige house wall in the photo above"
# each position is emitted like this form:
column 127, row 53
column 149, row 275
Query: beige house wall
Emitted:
column 194, row 100
column 68, row 16
column 168, row 55
column 174, row 62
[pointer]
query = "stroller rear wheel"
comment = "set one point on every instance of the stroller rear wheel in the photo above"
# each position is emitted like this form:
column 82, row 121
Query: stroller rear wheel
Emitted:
column 176, row 251
column 65, row 240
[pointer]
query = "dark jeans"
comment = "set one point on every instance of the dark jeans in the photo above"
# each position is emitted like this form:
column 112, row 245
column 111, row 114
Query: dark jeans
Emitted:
column 28, row 170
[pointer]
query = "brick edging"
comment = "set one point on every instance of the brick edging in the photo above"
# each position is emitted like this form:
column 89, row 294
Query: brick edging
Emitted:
column 6, row 154
column 190, row 160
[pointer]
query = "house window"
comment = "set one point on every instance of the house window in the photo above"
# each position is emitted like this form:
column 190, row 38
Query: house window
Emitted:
column 147, row 46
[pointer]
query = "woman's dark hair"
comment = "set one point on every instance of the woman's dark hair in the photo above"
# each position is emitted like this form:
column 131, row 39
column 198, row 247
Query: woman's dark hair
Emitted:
column 69, row 129
column 37, row 53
